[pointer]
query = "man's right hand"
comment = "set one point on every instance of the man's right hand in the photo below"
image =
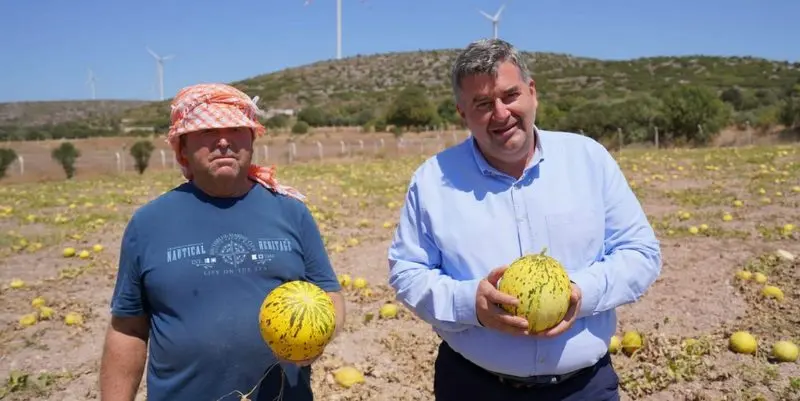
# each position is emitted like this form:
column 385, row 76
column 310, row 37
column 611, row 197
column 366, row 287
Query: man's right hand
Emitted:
column 489, row 314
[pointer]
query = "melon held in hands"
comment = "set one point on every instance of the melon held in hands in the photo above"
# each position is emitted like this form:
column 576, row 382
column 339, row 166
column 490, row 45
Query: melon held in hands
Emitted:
column 297, row 320
column 542, row 286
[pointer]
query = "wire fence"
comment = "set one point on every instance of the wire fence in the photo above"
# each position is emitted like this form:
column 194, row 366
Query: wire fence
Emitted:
column 36, row 163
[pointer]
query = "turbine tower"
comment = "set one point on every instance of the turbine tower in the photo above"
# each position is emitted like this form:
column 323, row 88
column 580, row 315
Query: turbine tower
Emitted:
column 494, row 18
column 91, row 83
column 338, row 26
column 160, row 70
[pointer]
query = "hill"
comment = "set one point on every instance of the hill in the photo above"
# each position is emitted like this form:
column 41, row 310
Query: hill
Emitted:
column 48, row 113
column 357, row 91
column 43, row 120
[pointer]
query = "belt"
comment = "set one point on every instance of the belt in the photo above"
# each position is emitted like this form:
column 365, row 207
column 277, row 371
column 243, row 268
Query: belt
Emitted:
column 546, row 380
column 532, row 381
column 537, row 381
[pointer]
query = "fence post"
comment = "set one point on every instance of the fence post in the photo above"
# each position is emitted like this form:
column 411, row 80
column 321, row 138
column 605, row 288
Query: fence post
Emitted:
column 656, row 137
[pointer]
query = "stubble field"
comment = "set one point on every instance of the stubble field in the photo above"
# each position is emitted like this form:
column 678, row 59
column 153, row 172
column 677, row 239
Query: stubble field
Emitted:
column 716, row 212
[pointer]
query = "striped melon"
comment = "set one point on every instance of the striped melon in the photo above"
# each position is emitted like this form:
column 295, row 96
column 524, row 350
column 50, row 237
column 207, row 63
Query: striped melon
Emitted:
column 543, row 288
column 297, row 320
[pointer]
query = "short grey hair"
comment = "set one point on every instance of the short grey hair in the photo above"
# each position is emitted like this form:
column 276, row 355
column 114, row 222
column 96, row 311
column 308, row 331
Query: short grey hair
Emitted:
column 482, row 57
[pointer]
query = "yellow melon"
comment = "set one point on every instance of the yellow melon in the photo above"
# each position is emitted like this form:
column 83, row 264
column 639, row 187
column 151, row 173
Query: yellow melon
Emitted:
column 542, row 286
column 297, row 320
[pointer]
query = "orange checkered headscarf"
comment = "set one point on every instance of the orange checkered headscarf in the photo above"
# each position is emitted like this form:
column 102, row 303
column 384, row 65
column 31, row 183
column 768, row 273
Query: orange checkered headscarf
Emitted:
column 208, row 106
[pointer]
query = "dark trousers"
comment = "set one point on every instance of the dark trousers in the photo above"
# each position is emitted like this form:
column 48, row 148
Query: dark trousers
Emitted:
column 276, row 386
column 458, row 379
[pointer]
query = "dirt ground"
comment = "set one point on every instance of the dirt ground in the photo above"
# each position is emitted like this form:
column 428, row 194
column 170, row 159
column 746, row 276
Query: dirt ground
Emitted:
column 356, row 203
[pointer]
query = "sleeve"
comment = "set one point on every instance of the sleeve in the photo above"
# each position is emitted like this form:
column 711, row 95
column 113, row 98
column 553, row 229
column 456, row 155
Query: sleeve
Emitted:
column 128, row 298
column 318, row 266
column 633, row 258
column 416, row 276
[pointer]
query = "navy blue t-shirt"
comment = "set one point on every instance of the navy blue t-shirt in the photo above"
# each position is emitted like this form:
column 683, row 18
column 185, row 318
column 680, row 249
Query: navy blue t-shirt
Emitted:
column 200, row 268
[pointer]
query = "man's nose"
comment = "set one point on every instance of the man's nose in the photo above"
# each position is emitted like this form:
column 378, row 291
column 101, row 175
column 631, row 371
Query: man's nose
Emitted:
column 223, row 142
column 500, row 111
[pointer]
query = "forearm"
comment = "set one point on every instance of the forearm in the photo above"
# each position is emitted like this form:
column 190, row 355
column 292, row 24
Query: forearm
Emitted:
column 340, row 310
column 122, row 366
column 622, row 277
column 440, row 300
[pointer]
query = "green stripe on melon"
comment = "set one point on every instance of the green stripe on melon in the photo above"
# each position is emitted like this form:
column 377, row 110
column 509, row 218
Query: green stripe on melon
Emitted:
column 543, row 288
column 297, row 320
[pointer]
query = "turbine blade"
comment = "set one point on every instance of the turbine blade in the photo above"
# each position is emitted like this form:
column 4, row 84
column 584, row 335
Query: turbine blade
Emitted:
column 152, row 53
column 500, row 11
column 486, row 15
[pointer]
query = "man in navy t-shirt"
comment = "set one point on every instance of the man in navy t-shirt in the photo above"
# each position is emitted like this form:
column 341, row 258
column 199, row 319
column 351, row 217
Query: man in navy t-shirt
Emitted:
column 197, row 262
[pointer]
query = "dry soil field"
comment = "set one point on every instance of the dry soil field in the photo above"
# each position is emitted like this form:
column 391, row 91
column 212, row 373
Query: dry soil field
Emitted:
column 716, row 212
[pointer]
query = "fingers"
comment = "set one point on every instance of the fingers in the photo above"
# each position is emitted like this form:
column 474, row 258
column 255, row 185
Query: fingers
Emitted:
column 512, row 321
column 498, row 297
column 496, row 318
column 495, row 275
column 564, row 324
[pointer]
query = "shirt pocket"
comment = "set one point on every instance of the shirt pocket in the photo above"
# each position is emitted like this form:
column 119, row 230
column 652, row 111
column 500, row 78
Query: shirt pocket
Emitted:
column 575, row 237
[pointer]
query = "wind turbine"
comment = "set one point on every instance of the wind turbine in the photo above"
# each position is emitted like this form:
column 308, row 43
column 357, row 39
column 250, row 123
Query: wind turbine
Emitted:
column 91, row 83
column 160, row 70
column 338, row 26
column 494, row 18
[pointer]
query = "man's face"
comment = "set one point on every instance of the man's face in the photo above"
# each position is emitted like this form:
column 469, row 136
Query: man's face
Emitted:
column 500, row 112
column 218, row 153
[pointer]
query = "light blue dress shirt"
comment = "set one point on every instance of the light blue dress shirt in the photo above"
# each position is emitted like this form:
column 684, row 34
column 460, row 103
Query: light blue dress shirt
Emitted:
column 462, row 218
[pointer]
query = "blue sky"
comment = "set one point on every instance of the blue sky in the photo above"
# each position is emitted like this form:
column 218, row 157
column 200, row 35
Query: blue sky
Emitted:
column 48, row 46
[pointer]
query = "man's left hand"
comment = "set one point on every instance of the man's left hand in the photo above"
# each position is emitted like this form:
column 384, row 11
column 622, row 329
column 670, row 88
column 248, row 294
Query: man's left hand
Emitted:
column 570, row 317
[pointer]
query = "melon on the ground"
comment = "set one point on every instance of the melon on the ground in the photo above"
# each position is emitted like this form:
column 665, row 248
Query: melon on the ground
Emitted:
column 297, row 320
column 543, row 288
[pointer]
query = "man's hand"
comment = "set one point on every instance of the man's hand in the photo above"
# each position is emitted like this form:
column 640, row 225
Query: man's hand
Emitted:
column 489, row 314
column 569, row 319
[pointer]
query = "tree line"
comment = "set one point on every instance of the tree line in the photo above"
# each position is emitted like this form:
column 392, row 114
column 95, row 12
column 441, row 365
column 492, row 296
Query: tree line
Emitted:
column 682, row 113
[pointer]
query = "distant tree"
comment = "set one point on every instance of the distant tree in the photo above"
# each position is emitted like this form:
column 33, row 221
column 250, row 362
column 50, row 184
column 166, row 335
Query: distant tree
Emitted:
column 7, row 156
column 549, row 116
column 789, row 114
column 380, row 125
column 277, row 121
column 141, row 151
column 447, row 111
column 66, row 155
column 412, row 108
column 693, row 113
column 733, row 96
column 300, row 127
column 313, row 116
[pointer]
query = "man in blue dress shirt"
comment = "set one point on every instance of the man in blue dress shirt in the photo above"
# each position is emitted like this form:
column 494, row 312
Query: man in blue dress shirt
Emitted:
column 512, row 189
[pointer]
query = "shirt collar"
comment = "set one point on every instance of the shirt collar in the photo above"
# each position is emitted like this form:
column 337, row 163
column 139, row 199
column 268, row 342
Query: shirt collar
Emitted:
column 487, row 169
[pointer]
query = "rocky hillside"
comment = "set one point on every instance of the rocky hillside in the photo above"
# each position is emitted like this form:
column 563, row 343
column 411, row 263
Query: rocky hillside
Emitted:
column 50, row 113
column 356, row 90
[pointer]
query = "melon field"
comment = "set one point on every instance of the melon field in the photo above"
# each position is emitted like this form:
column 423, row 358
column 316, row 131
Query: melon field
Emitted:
column 718, row 213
